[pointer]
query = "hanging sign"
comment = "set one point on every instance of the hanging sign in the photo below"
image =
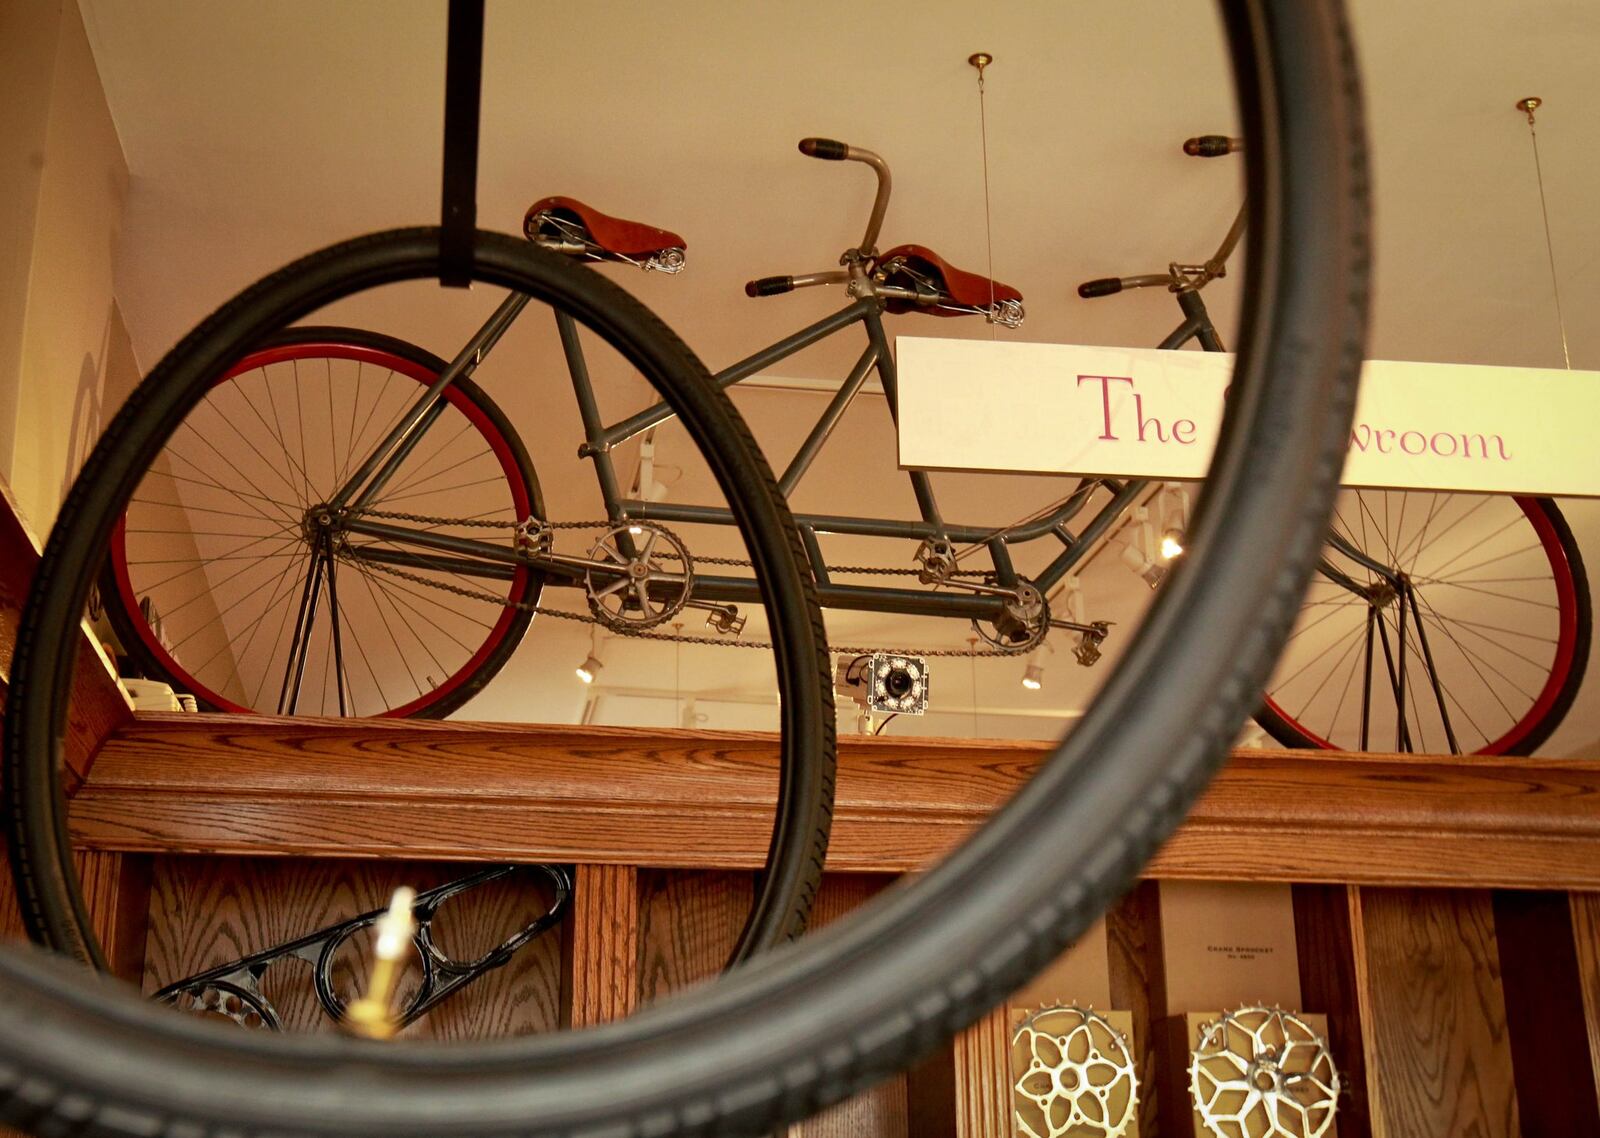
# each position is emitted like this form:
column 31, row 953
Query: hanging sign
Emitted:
column 1147, row 413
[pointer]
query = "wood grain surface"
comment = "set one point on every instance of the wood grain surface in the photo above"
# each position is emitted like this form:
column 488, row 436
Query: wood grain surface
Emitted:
column 1586, row 939
column 1540, row 975
column 1328, row 940
column 603, row 940
column 209, row 911
column 98, row 706
column 1139, row 983
column 880, row 1111
column 983, row 1077
column 688, row 924
column 704, row 800
column 1439, row 1050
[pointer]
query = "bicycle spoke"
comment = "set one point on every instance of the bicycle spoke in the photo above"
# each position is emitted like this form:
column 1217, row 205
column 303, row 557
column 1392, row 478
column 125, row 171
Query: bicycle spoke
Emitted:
column 289, row 695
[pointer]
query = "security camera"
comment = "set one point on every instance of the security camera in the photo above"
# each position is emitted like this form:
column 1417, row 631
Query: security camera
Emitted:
column 885, row 682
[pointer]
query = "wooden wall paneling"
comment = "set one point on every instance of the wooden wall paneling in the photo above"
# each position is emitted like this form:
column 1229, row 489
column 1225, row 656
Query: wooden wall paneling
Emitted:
column 879, row 1112
column 688, row 924
column 116, row 889
column 1174, row 1116
column 699, row 799
column 1586, row 938
column 603, row 944
column 1328, row 937
column 983, row 1077
column 1439, row 1047
column 1138, row 983
column 1550, row 1052
column 208, row 911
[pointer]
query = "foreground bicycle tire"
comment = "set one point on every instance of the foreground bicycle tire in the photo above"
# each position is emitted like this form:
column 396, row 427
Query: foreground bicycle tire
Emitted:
column 40, row 848
column 246, row 539
column 807, row 1025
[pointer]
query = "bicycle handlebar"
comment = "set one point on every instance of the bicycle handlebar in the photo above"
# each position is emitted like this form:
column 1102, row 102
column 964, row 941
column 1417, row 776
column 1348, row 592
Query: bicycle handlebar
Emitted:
column 1105, row 286
column 1183, row 275
column 774, row 286
column 825, row 148
column 835, row 151
column 1110, row 286
column 1212, row 146
column 769, row 286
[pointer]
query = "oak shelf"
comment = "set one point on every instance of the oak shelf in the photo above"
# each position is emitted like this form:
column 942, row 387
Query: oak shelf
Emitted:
column 703, row 800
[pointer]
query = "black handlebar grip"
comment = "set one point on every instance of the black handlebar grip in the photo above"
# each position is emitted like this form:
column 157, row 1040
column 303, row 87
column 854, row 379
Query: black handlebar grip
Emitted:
column 824, row 148
column 1105, row 286
column 1208, row 146
column 768, row 286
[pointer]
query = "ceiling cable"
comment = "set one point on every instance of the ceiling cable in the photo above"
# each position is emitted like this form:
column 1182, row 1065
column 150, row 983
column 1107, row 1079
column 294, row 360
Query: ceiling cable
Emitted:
column 1528, row 106
column 980, row 60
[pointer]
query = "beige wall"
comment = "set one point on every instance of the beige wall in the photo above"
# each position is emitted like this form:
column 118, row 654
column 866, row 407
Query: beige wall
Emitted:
column 64, row 353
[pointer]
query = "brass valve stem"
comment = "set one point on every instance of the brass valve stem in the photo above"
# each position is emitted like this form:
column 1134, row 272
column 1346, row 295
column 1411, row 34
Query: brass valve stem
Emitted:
column 370, row 1015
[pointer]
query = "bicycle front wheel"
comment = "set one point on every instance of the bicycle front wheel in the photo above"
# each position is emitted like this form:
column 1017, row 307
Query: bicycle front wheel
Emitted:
column 1441, row 624
column 212, row 563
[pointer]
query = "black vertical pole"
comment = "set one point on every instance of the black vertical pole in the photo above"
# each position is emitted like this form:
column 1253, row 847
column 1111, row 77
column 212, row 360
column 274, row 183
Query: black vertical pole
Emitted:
column 458, row 217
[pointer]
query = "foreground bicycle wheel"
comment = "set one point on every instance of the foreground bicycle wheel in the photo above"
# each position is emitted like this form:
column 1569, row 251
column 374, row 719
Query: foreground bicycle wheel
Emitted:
column 212, row 374
column 1446, row 624
column 209, row 560
column 808, row 1025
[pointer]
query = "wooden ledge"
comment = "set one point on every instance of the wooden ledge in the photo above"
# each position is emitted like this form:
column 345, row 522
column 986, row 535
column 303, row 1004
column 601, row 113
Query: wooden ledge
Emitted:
column 698, row 799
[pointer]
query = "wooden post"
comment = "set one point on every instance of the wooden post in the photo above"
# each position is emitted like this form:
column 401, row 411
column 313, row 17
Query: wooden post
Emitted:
column 1586, row 936
column 1438, row 1047
column 881, row 1110
column 983, row 1077
column 604, row 943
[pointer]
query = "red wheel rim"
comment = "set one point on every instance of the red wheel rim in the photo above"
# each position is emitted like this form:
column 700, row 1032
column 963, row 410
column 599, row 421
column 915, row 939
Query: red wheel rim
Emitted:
column 1560, row 666
column 501, row 447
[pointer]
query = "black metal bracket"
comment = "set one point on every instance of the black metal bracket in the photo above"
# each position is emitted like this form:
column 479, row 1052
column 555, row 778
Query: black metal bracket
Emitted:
column 463, row 77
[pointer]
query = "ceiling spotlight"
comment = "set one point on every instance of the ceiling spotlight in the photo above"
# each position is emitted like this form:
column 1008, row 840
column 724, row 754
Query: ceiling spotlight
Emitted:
column 1033, row 677
column 589, row 668
column 1174, row 502
column 1141, row 563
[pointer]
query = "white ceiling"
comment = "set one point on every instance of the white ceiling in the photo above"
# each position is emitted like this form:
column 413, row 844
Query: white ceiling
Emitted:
column 256, row 133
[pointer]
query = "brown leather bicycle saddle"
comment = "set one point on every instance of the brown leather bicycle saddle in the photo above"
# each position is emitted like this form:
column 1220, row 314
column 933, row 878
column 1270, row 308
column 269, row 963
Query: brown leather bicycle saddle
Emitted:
column 612, row 234
column 971, row 289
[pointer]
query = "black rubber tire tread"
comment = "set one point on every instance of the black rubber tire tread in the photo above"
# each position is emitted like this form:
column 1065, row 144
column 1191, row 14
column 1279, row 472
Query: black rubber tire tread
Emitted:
column 34, row 809
column 809, row 1024
column 1286, row 732
column 122, row 622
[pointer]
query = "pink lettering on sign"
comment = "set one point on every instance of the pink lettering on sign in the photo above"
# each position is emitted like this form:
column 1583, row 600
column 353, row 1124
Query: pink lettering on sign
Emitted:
column 1105, row 397
column 1148, row 427
column 1364, row 437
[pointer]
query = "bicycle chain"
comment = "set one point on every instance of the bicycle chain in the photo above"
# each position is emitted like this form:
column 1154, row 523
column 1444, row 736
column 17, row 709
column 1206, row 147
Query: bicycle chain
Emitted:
column 679, row 638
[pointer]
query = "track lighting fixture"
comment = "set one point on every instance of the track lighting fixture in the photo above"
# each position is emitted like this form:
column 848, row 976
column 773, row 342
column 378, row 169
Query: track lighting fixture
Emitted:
column 590, row 668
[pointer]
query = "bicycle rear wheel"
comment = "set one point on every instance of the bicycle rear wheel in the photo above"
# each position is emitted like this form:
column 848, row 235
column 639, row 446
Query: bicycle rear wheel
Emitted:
column 1447, row 623
column 210, row 561
column 808, row 1025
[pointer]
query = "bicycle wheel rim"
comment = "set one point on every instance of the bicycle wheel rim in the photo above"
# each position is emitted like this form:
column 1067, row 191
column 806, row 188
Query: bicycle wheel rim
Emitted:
column 807, row 1025
column 48, row 890
column 1538, row 705
column 292, row 347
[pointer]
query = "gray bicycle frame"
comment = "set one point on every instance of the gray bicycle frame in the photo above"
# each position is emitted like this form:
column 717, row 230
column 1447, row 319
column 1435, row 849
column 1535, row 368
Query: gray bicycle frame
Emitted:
column 481, row 558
